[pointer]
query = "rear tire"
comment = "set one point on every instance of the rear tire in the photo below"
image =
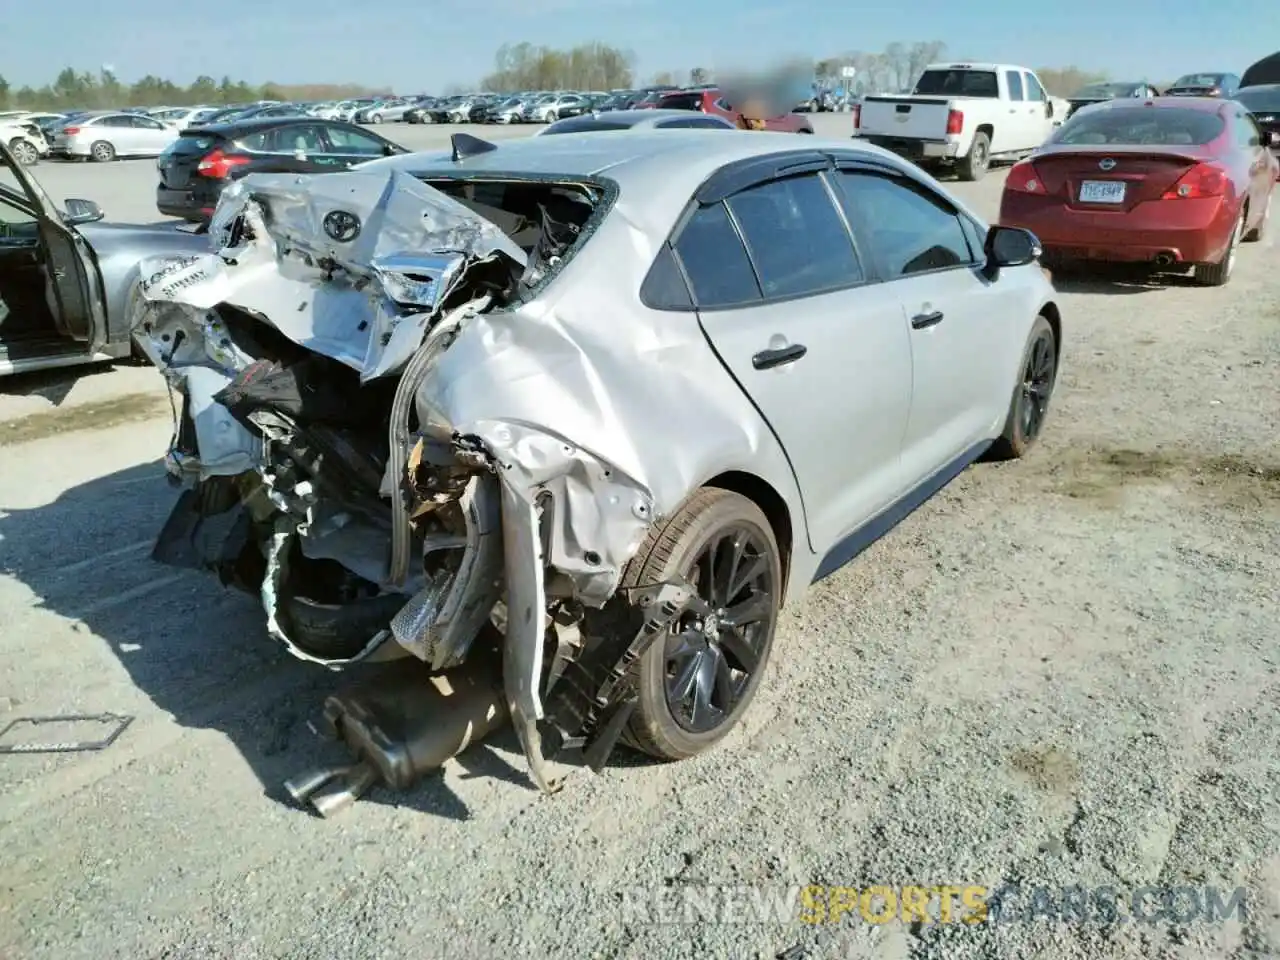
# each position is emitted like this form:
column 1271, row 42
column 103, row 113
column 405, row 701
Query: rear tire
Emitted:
column 102, row 152
column 697, row 680
column 1260, row 231
column 1029, row 406
column 1217, row 274
column 974, row 165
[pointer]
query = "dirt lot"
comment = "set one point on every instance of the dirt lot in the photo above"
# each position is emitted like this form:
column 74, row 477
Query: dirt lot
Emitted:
column 1061, row 671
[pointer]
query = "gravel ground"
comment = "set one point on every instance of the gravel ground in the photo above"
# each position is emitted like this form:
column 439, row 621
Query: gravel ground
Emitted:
column 1059, row 671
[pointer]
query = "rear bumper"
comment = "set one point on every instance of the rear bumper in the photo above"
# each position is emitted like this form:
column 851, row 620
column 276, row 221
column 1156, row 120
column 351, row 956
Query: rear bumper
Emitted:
column 1198, row 231
column 192, row 205
column 915, row 150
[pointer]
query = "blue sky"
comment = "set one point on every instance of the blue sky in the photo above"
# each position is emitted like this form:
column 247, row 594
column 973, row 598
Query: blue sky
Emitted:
column 422, row 45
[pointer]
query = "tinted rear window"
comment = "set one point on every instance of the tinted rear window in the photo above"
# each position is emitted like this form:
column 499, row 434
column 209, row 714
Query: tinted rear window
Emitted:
column 585, row 125
column 193, row 143
column 681, row 101
column 1260, row 100
column 958, row 83
column 1141, row 126
column 1198, row 80
column 1105, row 90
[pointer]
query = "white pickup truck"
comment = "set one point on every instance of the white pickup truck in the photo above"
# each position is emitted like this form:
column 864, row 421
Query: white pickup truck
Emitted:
column 962, row 114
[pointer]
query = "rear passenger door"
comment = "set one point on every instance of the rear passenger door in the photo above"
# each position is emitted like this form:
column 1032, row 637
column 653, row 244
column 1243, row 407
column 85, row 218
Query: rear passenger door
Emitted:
column 783, row 296
column 293, row 148
column 964, row 343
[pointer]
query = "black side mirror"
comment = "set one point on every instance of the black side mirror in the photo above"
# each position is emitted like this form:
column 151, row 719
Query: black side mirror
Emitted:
column 81, row 211
column 1009, row 247
column 1048, row 108
column 390, row 150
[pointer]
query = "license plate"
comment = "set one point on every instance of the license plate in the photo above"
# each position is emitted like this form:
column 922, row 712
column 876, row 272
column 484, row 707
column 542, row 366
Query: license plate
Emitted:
column 1102, row 191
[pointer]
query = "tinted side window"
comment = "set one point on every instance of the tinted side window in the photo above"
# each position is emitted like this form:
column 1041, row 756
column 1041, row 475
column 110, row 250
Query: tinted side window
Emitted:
column 797, row 240
column 715, row 260
column 1014, row 79
column 346, row 140
column 909, row 229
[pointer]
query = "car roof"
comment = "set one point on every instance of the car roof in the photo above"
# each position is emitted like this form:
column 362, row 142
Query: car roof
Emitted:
column 235, row 128
column 642, row 117
column 1207, row 104
column 657, row 170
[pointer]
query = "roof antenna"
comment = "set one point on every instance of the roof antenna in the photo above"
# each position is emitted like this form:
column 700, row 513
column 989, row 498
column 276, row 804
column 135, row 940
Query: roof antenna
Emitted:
column 465, row 145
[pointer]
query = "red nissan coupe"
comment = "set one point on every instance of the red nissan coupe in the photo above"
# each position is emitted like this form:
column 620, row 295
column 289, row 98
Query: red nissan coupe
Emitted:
column 1176, row 183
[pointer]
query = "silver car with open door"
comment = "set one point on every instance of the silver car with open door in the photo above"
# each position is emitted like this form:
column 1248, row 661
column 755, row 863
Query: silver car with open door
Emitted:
column 66, row 279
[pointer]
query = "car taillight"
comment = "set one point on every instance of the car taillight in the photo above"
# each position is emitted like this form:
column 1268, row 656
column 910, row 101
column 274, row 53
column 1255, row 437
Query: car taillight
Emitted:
column 1202, row 180
column 1024, row 179
column 955, row 123
column 70, row 131
column 217, row 165
column 857, row 115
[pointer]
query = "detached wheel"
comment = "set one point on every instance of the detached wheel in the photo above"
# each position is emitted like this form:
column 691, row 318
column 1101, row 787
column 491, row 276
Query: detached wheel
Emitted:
column 974, row 166
column 102, row 152
column 1029, row 406
column 24, row 152
column 1217, row 274
column 695, row 684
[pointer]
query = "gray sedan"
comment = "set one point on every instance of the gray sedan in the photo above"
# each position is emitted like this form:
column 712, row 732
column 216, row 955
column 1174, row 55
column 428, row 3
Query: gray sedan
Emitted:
column 623, row 397
column 66, row 279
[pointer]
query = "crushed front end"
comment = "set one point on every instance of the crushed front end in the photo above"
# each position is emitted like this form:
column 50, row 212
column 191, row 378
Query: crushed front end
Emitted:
column 329, row 467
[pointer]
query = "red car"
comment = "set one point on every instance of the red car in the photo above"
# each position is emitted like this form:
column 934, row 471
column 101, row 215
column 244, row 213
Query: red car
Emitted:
column 1172, row 182
column 711, row 100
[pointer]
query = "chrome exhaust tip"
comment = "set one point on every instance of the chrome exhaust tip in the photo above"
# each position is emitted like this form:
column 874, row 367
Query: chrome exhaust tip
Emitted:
column 301, row 788
column 340, row 796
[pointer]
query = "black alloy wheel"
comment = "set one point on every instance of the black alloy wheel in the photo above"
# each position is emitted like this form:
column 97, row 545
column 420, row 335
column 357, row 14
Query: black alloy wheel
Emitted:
column 1029, row 406
column 694, row 684
column 1037, row 385
column 711, row 658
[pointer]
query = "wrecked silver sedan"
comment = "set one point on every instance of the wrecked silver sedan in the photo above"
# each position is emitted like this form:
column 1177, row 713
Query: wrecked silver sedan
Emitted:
column 590, row 408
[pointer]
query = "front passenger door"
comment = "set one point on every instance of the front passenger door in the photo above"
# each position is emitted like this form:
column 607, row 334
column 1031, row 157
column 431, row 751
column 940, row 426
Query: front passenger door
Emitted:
column 785, row 299
column 964, row 347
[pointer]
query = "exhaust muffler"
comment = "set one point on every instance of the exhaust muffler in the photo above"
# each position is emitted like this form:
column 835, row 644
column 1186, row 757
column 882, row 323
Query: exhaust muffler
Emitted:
column 402, row 722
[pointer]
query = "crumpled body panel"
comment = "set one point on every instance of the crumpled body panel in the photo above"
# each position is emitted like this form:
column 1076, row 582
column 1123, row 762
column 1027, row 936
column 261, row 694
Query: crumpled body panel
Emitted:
column 551, row 432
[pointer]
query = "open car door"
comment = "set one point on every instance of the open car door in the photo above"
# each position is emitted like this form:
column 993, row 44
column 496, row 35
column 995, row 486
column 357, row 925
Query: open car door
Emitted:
column 71, row 268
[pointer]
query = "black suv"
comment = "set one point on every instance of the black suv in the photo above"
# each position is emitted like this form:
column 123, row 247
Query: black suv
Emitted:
column 203, row 160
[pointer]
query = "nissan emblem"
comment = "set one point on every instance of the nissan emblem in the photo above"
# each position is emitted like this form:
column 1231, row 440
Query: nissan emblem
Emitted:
column 1107, row 164
column 341, row 225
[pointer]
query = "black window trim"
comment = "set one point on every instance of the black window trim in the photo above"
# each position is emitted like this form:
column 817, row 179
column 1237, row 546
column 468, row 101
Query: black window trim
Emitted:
column 753, row 171
column 977, row 258
column 761, row 299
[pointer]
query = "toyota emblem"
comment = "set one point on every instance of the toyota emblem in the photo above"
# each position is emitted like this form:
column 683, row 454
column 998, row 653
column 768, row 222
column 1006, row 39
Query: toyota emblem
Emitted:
column 341, row 225
column 1107, row 164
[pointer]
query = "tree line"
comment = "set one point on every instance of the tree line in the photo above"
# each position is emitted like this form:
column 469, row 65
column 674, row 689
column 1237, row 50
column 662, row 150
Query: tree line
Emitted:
column 89, row 91
column 519, row 66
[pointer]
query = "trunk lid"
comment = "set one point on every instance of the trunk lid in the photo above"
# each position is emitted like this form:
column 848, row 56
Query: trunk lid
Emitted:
column 178, row 163
column 1146, row 174
column 909, row 117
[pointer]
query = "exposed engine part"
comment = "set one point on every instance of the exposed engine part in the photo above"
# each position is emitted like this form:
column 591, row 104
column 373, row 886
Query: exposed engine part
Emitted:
column 403, row 722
